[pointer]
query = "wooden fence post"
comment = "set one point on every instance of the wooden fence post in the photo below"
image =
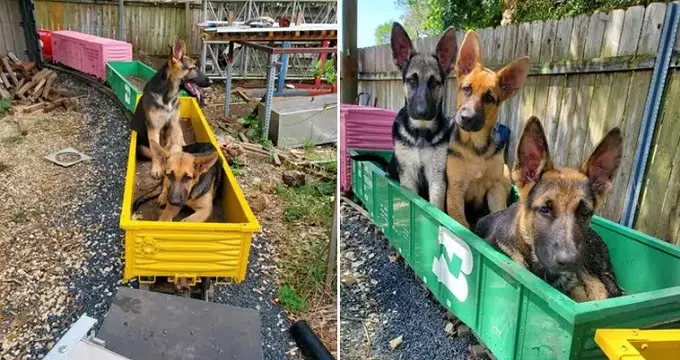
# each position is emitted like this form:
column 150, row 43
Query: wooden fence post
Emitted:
column 331, row 263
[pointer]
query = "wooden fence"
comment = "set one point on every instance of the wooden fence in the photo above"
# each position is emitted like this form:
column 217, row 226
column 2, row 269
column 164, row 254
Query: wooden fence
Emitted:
column 149, row 26
column 589, row 74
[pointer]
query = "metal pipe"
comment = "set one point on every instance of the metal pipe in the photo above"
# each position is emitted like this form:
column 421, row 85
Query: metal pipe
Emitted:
column 308, row 342
column 284, row 69
column 651, row 112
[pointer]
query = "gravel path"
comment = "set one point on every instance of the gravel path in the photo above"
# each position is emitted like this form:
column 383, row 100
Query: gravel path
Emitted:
column 381, row 300
column 91, row 215
column 258, row 292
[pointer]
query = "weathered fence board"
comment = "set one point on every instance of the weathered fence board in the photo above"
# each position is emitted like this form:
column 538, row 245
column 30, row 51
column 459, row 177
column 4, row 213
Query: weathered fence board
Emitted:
column 589, row 74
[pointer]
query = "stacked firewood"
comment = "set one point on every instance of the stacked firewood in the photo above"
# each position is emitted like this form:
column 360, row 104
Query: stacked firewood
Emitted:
column 24, row 84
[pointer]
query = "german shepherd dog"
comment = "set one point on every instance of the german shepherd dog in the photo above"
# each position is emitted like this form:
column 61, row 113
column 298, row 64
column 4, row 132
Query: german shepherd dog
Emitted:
column 474, row 165
column 548, row 229
column 158, row 108
column 192, row 177
column 421, row 132
column 194, row 82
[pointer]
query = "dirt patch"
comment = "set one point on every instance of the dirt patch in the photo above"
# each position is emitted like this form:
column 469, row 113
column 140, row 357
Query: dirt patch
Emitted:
column 136, row 81
column 33, row 283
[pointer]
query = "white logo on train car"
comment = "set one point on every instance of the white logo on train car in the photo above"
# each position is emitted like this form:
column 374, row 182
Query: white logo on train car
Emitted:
column 453, row 246
column 127, row 94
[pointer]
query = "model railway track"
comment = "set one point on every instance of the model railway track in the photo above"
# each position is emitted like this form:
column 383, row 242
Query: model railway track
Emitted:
column 95, row 82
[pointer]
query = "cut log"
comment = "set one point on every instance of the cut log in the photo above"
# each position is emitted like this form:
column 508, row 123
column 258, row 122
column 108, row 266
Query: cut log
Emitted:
column 277, row 160
column 34, row 107
column 38, row 88
column 243, row 137
column 4, row 94
column 24, row 88
column 9, row 71
column 41, row 74
column 54, row 105
column 64, row 93
column 14, row 58
column 48, row 85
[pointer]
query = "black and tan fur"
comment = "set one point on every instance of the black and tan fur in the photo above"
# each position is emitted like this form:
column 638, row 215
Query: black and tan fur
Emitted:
column 158, row 108
column 192, row 178
column 421, row 132
column 548, row 229
column 474, row 168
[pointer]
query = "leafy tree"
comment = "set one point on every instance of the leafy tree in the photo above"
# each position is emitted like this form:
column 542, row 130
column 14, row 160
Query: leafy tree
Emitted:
column 383, row 33
column 462, row 14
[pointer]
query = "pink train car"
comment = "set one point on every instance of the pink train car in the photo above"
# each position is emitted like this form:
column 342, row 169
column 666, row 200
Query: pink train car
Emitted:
column 362, row 127
column 88, row 53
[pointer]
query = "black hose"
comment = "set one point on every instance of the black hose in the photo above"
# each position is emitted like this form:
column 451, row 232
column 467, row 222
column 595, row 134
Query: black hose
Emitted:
column 308, row 342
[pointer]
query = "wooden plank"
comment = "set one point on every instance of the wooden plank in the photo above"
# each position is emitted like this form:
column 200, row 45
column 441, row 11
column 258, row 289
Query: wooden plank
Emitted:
column 34, row 107
column 485, row 41
column 10, row 71
column 595, row 129
column 566, row 120
column 579, row 122
column 578, row 37
column 548, row 41
column 535, row 40
column 13, row 57
column 563, row 39
column 651, row 29
column 509, row 42
column 667, row 140
column 38, row 88
column 596, row 26
column 612, row 34
column 552, row 112
column 494, row 59
column 541, row 96
column 4, row 80
column 4, row 94
column 523, row 39
column 630, row 33
column 615, row 116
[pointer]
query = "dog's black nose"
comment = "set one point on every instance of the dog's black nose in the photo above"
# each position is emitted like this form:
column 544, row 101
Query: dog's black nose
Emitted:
column 567, row 259
column 467, row 116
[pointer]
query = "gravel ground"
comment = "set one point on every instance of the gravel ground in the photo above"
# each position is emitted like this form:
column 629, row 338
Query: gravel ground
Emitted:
column 258, row 292
column 381, row 300
column 92, row 271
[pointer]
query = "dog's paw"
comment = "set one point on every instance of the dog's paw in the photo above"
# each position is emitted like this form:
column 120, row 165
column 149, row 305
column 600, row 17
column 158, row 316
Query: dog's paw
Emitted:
column 156, row 172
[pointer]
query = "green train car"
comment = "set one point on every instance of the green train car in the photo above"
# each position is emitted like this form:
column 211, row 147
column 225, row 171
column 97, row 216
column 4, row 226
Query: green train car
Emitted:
column 516, row 314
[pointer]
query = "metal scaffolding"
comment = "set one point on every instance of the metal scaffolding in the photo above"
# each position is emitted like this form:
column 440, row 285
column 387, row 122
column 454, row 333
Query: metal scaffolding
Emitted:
column 249, row 63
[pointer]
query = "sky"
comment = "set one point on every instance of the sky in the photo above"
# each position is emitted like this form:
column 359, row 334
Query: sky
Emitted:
column 371, row 14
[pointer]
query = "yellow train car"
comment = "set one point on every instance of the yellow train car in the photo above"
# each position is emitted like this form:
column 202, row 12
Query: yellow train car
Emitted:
column 634, row 344
column 195, row 252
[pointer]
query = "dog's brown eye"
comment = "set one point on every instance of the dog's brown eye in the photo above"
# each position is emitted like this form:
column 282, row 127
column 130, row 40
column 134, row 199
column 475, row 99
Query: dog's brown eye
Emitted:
column 412, row 81
column 433, row 83
column 467, row 90
column 585, row 212
column 170, row 175
column 186, row 178
column 546, row 209
column 489, row 99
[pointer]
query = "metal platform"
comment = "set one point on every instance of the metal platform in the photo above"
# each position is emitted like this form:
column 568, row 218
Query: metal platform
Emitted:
column 151, row 326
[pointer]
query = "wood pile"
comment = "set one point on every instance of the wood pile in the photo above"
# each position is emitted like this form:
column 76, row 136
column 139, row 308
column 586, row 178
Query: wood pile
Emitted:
column 23, row 84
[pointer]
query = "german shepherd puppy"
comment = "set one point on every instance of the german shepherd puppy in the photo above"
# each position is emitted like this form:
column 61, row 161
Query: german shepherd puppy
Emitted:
column 158, row 108
column 192, row 177
column 548, row 229
column 475, row 165
column 421, row 131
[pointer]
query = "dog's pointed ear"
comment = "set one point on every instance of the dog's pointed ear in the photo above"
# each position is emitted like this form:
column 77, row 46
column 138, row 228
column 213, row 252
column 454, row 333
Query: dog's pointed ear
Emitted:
column 470, row 54
column 203, row 163
column 513, row 76
column 533, row 155
column 158, row 153
column 447, row 47
column 177, row 49
column 402, row 48
column 603, row 163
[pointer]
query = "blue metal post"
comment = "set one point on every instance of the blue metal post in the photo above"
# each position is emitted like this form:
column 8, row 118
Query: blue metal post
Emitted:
column 271, row 77
column 651, row 112
column 284, row 69
column 227, row 80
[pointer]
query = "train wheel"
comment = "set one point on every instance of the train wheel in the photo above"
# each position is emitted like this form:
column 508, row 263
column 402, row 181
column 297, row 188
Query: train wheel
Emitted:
column 208, row 291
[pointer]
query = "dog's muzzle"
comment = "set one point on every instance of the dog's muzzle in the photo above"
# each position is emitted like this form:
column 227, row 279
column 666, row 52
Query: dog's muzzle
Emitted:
column 469, row 120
